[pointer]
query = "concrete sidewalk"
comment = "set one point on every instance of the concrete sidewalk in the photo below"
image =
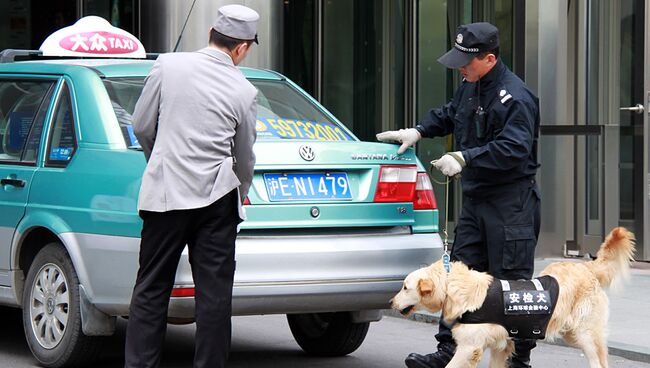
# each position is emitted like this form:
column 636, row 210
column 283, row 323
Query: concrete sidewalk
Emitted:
column 629, row 318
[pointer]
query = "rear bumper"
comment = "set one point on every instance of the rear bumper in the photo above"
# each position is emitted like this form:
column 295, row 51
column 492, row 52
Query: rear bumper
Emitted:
column 275, row 274
column 301, row 298
column 320, row 274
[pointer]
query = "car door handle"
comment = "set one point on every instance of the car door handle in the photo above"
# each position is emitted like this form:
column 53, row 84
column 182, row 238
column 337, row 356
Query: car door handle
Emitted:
column 15, row 182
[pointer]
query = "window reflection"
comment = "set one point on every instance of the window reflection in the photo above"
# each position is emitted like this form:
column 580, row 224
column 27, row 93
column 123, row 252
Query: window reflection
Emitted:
column 120, row 13
column 363, row 64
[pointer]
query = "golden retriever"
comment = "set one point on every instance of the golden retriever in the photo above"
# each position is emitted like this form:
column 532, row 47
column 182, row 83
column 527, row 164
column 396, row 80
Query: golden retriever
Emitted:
column 580, row 315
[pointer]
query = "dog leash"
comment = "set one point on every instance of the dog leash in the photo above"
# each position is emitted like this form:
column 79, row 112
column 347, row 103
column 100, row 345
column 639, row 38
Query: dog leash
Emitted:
column 446, row 259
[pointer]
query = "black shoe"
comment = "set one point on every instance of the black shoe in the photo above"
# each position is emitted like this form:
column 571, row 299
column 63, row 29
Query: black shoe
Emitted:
column 521, row 356
column 439, row 359
column 515, row 362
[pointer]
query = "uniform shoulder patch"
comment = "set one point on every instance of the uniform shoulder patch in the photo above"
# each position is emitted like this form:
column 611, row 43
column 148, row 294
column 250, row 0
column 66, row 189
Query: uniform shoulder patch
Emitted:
column 504, row 96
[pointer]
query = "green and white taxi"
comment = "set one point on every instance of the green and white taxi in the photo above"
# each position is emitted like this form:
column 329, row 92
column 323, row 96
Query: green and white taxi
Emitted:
column 334, row 224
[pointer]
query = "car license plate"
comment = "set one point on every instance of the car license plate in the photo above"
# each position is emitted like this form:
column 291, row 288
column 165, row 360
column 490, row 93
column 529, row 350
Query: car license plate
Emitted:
column 308, row 186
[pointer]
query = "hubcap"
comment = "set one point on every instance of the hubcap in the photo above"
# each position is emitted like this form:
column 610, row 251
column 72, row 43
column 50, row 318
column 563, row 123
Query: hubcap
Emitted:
column 49, row 306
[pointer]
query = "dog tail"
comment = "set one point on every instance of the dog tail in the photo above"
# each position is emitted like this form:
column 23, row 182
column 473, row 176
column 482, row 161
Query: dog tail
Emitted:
column 613, row 259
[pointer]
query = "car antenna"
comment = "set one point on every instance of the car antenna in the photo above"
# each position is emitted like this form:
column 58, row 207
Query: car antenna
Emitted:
column 184, row 24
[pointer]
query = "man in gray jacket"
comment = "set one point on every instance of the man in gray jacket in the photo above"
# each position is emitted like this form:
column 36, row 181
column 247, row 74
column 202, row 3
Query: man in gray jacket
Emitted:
column 195, row 121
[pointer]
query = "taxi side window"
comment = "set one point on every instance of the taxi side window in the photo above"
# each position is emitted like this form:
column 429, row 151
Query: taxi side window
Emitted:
column 63, row 141
column 30, row 153
column 23, row 107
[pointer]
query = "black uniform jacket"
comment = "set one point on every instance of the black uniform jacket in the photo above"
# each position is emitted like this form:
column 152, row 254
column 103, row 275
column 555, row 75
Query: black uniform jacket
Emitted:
column 500, row 148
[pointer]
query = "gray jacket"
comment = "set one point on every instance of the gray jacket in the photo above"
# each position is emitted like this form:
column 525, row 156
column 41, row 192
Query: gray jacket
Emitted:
column 195, row 121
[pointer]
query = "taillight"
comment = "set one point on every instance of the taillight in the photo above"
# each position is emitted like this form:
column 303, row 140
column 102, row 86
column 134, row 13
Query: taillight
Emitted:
column 424, row 199
column 246, row 201
column 182, row 292
column 396, row 183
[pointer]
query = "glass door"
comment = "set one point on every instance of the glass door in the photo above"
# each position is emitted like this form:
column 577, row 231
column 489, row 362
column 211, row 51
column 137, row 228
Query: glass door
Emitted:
column 120, row 13
column 611, row 160
column 363, row 64
column 632, row 113
column 643, row 239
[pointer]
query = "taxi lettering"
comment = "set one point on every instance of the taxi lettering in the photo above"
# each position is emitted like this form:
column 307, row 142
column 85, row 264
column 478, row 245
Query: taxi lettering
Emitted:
column 99, row 42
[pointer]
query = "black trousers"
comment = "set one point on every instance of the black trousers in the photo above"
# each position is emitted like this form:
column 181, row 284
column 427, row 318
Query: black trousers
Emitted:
column 497, row 233
column 209, row 233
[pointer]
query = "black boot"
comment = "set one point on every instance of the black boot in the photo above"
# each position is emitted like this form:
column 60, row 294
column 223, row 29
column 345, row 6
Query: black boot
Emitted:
column 516, row 362
column 521, row 356
column 439, row 359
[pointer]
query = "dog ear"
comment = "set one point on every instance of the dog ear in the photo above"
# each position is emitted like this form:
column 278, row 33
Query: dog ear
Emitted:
column 425, row 286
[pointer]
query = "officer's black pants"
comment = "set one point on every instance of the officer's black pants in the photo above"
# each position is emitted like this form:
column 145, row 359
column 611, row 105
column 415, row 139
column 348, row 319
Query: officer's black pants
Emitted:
column 210, row 234
column 497, row 233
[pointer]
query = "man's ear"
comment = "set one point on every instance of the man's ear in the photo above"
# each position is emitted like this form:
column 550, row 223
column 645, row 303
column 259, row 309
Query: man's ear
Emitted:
column 241, row 49
column 425, row 286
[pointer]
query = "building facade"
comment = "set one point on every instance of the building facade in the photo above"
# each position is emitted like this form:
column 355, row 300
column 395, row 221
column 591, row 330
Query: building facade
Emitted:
column 373, row 64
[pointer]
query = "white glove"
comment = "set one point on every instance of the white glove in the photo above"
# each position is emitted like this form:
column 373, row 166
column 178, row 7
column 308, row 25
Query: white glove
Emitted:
column 451, row 164
column 407, row 137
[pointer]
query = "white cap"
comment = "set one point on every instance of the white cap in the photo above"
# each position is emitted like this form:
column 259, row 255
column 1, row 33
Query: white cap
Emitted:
column 237, row 21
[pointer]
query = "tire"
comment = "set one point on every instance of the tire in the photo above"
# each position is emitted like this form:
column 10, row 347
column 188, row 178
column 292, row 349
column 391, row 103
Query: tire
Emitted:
column 51, row 315
column 327, row 334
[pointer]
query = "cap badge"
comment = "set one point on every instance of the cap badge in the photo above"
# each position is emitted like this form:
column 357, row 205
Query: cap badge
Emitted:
column 459, row 38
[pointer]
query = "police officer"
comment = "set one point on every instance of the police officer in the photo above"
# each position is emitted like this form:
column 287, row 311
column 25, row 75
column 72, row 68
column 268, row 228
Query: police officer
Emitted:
column 195, row 120
column 495, row 121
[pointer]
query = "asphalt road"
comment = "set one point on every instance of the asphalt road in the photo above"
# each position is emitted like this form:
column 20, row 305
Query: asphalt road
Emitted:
column 266, row 342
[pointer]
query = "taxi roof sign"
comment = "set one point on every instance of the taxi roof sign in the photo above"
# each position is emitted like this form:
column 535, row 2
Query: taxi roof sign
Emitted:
column 92, row 36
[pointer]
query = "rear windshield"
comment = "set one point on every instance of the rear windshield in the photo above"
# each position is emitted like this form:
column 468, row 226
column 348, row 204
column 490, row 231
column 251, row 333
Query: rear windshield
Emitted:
column 285, row 113
column 282, row 112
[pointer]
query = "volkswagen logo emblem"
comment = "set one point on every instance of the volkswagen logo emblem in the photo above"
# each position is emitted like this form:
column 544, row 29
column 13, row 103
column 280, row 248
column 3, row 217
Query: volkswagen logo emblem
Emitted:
column 307, row 153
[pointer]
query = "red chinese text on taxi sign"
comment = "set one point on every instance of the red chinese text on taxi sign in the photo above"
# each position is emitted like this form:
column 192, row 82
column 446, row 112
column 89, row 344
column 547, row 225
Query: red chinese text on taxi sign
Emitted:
column 99, row 43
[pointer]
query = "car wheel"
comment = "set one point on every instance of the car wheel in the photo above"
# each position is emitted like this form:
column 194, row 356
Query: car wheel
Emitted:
column 51, row 315
column 327, row 334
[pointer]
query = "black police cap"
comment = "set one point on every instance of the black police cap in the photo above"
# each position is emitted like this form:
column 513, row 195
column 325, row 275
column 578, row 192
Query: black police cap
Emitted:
column 471, row 40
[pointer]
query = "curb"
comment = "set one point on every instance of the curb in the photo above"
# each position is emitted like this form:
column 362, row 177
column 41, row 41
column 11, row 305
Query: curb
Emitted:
column 623, row 350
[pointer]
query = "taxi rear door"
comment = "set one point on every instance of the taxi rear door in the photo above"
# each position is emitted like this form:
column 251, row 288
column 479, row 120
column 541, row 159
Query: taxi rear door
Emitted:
column 24, row 105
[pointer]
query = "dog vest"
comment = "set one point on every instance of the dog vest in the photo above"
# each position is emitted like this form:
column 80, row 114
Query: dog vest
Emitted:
column 522, row 307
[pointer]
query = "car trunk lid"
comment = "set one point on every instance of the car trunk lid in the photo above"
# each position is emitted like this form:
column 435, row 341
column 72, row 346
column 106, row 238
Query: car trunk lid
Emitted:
column 301, row 184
